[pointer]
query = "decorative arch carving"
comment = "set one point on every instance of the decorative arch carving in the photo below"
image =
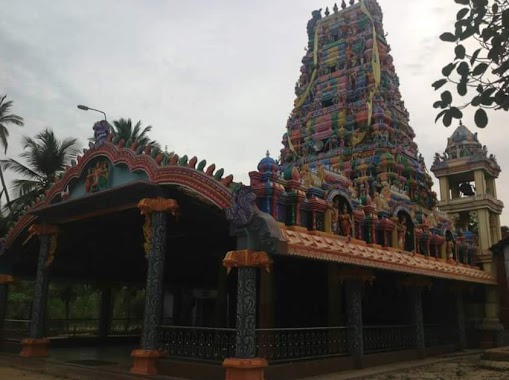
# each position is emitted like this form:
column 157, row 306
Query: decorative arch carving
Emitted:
column 203, row 183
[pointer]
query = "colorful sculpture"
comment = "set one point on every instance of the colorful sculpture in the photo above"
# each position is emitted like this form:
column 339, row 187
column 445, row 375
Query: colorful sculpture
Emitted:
column 101, row 131
column 97, row 177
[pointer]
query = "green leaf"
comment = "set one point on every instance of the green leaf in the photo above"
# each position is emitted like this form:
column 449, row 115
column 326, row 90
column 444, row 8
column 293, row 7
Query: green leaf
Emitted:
column 456, row 113
column 447, row 118
column 463, row 69
column 467, row 33
column 480, row 118
column 438, row 104
column 446, row 97
column 505, row 18
column 461, row 13
column 448, row 37
column 459, row 50
column 462, row 2
column 474, row 56
column 439, row 83
column 462, row 88
column 447, row 70
column 440, row 115
column 476, row 100
column 494, row 8
column 479, row 69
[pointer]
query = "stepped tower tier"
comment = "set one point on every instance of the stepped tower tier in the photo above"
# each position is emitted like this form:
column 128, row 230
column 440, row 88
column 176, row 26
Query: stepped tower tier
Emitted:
column 468, row 192
column 349, row 116
column 349, row 164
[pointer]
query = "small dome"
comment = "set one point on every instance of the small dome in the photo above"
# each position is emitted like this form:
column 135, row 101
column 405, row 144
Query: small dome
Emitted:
column 462, row 135
column 462, row 143
column 267, row 164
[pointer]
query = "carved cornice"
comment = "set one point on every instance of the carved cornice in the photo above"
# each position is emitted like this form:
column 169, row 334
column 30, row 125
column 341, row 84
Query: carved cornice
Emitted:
column 247, row 258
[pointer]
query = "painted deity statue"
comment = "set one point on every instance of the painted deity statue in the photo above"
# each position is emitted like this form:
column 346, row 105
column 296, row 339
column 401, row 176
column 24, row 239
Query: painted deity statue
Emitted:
column 345, row 221
column 97, row 177
column 101, row 132
column 402, row 229
column 332, row 217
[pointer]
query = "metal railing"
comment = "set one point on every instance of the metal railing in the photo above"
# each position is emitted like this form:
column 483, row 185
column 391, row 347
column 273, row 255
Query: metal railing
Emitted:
column 388, row 338
column 126, row 326
column 16, row 328
column 286, row 344
column 72, row 327
column 20, row 328
column 197, row 343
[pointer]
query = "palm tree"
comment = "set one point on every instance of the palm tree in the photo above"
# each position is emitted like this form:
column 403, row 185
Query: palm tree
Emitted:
column 5, row 119
column 46, row 157
column 124, row 130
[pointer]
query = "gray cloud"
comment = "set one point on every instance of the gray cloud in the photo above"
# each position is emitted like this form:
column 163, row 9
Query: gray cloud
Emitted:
column 215, row 79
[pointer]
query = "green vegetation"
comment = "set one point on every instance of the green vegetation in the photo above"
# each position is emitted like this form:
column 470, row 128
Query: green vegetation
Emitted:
column 481, row 63
column 6, row 118
column 123, row 130
column 46, row 158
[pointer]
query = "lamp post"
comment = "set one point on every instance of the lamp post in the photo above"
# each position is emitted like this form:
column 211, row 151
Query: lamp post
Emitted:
column 85, row 108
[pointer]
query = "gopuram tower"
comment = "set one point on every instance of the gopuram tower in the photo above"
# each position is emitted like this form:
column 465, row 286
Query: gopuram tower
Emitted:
column 349, row 131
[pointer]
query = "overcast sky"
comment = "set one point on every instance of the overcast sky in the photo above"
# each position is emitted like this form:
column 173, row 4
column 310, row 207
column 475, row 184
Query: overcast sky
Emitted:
column 215, row 79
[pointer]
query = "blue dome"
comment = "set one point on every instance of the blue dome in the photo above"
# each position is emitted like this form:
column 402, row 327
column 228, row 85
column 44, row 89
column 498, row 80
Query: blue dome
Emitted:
column 267, row 164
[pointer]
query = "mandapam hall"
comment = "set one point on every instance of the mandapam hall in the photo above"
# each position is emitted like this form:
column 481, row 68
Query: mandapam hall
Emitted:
column 337, row 256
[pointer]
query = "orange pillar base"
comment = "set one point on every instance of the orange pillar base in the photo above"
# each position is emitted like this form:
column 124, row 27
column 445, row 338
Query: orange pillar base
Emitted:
column 245, row 369
column 144, row 362
column 34, row 348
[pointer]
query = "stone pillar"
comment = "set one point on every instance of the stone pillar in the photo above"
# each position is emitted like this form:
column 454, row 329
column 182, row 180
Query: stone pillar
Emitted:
column 491, row 330
column 4, row 296
column 334, row 295
column 246, row 365
column 105, row 311
column 353, row 280
column 460, row 320
column 444, row 188
column 36, row 345
column 417, row 318
column 353, row 289
column 154, row 229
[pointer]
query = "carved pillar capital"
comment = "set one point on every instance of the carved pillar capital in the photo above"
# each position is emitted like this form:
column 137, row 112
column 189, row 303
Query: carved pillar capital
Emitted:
column 6, row 279
column 51, row 232
column 356, row 273
column 415, row 282
column 149, row 205
column 247, row 258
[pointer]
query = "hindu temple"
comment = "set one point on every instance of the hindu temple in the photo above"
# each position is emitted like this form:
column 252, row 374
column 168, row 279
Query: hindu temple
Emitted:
column 337, row 256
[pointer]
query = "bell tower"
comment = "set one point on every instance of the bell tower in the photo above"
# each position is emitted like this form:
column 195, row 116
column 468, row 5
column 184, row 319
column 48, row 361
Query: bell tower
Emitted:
column 468, row 192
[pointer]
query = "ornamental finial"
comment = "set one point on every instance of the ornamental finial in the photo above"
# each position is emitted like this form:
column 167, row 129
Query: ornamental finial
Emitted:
column 267, row 154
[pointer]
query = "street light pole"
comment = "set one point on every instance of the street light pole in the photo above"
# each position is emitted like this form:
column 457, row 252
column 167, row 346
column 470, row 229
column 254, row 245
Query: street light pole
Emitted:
column 86, row 108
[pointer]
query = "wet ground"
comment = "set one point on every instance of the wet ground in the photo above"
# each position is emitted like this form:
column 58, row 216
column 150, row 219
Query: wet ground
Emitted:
column 462, row 368
column 9, row 373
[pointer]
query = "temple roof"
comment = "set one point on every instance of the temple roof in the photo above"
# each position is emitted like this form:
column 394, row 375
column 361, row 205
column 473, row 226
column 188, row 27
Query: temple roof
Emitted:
column 463, row 136
column 330, row 247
